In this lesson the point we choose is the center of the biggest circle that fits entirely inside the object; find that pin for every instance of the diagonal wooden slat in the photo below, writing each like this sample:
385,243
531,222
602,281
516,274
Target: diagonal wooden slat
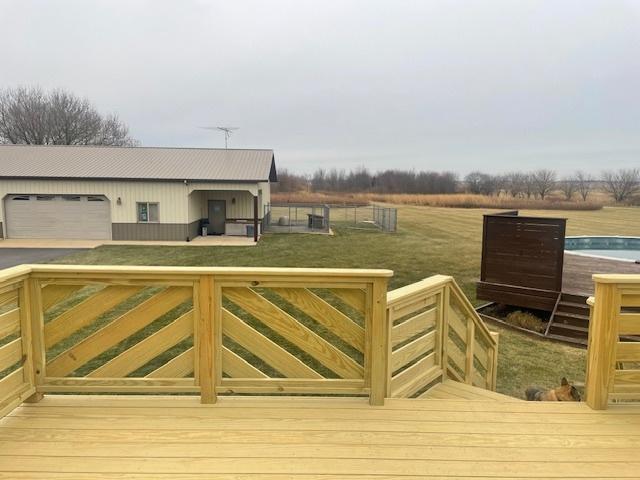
147,349
53,294
86,312
354,297
263,348
8,297
118,330
10,354
237,367
287,326
9,323
178,367
325,314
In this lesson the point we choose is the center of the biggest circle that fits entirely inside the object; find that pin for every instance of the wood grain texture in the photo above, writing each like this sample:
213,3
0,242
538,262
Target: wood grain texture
149,348
85,312
274,355
9,323
287,326
116,331
180,366
53,294
325,314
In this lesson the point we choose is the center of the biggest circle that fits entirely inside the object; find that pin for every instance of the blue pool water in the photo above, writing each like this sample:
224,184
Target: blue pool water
625,248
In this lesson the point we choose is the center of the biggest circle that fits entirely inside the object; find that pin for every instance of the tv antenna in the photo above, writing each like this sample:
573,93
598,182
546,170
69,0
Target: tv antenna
227,133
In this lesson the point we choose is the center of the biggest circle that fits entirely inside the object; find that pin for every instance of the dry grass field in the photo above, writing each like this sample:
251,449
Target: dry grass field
458,200
429,241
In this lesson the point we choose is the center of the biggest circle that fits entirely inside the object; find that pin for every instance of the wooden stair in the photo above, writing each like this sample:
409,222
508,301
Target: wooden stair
570,319
453,390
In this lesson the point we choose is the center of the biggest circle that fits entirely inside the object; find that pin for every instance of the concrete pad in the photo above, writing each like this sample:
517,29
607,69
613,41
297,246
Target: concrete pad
210,241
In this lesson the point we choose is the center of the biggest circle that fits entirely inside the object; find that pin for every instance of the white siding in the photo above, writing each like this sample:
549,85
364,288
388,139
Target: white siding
176,205
172,196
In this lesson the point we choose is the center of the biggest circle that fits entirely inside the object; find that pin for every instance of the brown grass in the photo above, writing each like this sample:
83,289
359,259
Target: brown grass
456,200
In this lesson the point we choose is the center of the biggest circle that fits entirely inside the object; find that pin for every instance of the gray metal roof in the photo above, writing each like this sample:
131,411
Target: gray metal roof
136,163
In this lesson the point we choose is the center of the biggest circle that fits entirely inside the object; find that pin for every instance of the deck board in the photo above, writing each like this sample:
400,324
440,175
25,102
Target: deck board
578,270
137,437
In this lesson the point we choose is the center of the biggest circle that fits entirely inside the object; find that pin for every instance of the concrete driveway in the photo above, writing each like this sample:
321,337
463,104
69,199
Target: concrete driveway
10,257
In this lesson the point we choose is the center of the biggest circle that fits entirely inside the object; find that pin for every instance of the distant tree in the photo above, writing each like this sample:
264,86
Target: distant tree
622,184
29,115
584,184
515,183
543,182
569,187
473,182
529,184
290,182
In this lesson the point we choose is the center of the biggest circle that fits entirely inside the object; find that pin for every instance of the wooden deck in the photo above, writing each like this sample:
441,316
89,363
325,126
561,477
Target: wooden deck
579,270
106,437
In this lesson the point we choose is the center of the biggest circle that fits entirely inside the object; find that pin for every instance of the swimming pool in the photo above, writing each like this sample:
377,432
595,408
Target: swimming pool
619,248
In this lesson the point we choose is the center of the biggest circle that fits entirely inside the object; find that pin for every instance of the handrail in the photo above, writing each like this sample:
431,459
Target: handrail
435,333
612,372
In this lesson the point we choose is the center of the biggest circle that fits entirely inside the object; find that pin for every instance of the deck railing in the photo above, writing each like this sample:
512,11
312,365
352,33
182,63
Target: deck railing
16,361
436,334
613,363
201,330
217,331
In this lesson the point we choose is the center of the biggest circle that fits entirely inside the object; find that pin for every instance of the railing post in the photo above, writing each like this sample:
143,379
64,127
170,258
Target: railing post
492,370
205,314
444,329
33,341
379,349
470,341
601,350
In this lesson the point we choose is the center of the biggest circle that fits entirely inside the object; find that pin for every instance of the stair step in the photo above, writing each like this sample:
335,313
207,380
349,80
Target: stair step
574,316
568,297
568,326
582,306
578,341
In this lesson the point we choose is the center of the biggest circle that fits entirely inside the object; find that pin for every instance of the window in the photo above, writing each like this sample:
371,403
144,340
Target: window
93,198
44,197
71,198
21,198
148,212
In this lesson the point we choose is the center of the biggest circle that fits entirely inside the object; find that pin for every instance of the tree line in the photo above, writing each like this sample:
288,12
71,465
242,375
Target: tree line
33,116
622,185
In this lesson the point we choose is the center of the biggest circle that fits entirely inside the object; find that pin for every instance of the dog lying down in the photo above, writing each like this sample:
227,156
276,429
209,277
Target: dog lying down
564,393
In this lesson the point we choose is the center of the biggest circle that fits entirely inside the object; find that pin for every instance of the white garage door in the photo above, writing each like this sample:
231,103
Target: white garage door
58,216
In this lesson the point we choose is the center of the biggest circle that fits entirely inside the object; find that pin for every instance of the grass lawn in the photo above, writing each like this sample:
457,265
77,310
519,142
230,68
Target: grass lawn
429,241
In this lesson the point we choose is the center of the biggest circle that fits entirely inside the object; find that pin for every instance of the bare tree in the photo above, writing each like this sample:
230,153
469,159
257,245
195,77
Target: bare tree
569,187
529,184
623,184
543,182
584,184
29,115
515,183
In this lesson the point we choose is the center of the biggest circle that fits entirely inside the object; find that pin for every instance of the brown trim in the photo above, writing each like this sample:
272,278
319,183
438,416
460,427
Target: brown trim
150,231
1,231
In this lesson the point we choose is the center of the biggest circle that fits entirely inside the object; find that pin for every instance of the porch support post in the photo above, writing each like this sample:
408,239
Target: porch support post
255,218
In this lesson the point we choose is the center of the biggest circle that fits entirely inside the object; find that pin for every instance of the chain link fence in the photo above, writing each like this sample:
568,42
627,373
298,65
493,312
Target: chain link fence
308,218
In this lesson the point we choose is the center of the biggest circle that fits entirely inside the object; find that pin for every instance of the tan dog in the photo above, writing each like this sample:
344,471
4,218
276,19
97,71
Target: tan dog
564,393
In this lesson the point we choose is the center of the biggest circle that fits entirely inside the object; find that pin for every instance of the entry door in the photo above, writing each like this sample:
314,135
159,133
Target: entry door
217,216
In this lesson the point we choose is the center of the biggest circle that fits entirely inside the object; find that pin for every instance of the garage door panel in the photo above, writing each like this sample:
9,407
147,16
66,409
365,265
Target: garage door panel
58,217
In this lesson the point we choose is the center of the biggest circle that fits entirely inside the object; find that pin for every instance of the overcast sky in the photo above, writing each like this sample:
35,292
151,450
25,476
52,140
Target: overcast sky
456,85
